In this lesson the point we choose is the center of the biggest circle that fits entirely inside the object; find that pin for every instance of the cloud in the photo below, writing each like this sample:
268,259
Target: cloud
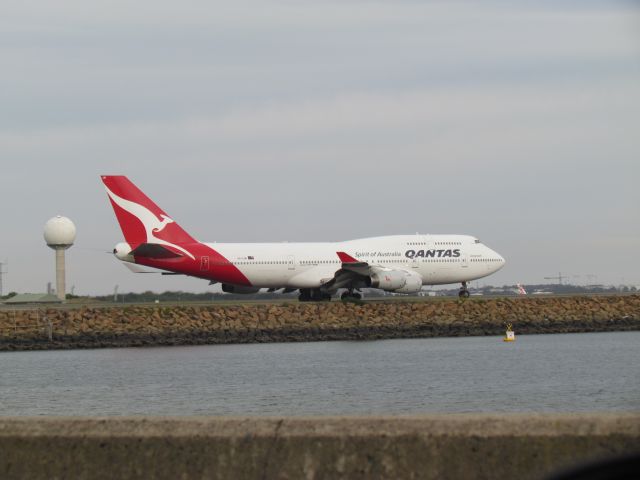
508,117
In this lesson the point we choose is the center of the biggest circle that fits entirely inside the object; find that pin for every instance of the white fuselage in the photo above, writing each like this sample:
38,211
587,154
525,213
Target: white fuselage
438,259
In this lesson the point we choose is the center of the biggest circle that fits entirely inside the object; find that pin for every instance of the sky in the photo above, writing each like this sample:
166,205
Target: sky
258,121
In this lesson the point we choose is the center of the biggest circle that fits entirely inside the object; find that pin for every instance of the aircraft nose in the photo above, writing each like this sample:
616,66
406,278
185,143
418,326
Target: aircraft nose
496,265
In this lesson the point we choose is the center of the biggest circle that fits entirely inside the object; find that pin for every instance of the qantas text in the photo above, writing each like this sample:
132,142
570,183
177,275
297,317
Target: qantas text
432,253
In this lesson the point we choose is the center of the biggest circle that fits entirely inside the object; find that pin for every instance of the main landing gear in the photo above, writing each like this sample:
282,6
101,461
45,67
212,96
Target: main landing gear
463,293
313,295
351,295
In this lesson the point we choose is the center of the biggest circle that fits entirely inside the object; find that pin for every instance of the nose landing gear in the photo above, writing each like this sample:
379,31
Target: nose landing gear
463,293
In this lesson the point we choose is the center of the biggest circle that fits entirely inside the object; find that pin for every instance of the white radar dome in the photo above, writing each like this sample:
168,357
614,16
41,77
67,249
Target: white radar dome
59,232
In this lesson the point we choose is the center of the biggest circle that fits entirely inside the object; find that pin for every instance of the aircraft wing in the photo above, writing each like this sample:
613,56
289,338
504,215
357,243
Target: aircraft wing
353,265
353,271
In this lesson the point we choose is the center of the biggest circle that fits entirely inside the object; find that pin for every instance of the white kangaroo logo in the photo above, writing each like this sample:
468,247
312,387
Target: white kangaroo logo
165,221
150,221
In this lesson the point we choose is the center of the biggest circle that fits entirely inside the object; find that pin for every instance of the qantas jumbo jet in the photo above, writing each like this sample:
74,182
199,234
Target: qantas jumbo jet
396,263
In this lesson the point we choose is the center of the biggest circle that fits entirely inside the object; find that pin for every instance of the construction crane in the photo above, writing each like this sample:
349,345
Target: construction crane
559,278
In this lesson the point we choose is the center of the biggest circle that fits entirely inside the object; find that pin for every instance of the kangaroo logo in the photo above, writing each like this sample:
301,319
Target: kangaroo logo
165,221
152,224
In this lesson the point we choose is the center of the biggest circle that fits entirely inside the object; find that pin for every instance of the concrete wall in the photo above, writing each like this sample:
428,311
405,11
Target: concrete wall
429,447
277,322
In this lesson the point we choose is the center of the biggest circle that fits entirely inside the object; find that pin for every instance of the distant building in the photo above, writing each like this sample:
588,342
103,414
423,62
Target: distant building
30,298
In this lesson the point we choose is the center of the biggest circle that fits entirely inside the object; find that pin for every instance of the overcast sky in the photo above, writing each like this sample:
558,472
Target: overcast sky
517,122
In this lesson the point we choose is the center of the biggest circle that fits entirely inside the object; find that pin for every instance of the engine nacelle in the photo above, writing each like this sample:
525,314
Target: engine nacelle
413,283
388,279
398,281
122,251
229,288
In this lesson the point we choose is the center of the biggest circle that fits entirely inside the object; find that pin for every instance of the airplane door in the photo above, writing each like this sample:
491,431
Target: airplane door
430,267
291,262
465,259
204,264
414,262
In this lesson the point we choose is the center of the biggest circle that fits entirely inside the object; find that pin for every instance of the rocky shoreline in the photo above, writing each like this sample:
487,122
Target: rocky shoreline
155,325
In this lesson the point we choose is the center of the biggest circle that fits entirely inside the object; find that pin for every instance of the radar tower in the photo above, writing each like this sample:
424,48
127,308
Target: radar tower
60,233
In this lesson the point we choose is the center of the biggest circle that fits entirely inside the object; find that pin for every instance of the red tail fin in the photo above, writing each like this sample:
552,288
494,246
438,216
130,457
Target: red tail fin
141,220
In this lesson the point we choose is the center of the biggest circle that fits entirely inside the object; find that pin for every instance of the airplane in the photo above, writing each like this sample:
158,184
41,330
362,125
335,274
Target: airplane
395,263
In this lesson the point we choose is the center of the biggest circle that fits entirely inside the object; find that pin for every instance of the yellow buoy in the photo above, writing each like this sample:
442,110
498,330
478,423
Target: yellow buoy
510,336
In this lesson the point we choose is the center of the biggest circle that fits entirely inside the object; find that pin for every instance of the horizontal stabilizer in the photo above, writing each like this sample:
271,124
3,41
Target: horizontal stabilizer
153,250
137,268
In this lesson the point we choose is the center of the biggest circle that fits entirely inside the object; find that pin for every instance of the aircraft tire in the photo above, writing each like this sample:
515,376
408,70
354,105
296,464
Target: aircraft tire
305,295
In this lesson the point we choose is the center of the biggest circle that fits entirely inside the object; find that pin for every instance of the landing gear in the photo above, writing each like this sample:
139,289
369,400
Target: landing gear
305,295
463,293
313,295
318,295
351,295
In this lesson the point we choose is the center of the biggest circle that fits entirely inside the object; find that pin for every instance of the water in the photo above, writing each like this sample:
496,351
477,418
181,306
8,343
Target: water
537,373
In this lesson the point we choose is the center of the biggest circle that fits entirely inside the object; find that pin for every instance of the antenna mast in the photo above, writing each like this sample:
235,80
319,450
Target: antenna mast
559,278
3,271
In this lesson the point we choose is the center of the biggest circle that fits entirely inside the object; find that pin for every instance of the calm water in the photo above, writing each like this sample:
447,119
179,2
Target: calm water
542,373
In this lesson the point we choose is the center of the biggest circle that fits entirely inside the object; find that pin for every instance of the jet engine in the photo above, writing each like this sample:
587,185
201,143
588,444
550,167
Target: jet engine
230,288
413,283
388,279
122,251
399,281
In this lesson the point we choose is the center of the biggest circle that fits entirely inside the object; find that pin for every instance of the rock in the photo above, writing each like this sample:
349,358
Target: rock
144,325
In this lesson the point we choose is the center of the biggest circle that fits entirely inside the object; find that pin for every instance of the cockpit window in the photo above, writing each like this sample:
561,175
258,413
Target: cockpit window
477,241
